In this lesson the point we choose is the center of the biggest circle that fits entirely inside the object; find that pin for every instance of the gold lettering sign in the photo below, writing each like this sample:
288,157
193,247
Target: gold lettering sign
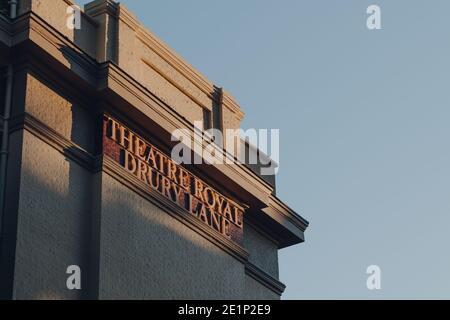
174,182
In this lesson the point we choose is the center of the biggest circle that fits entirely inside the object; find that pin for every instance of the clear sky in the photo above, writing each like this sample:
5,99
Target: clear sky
365,127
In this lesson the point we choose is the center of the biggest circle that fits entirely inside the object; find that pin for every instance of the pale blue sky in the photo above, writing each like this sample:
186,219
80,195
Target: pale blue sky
365,126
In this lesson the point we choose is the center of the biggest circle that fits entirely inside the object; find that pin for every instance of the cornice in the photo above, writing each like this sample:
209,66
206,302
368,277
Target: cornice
96,8
290,214
70,2
264,278
73,151
52,42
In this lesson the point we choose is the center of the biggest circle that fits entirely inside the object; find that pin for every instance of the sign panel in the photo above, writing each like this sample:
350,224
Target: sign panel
160,173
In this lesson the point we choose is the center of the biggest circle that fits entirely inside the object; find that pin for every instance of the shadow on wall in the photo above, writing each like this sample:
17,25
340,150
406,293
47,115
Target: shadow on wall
147,254
53,224
144,252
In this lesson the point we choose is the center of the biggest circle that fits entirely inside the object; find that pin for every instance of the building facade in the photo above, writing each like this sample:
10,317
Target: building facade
87,180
